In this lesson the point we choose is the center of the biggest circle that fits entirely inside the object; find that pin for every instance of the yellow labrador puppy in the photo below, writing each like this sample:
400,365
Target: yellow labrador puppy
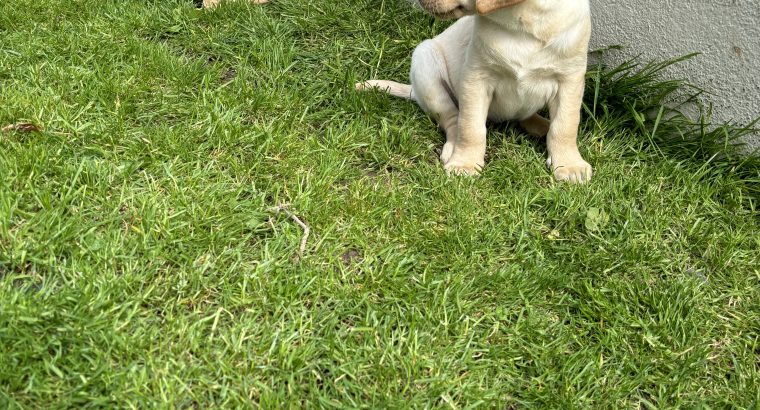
503,60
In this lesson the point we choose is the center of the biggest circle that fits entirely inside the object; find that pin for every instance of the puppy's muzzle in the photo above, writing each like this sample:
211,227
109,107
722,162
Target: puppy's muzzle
448,9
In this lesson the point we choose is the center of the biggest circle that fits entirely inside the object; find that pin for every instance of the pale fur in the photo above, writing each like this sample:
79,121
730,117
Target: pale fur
507,64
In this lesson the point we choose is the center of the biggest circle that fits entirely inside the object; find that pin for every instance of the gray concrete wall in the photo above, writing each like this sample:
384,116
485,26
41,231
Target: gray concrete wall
727,32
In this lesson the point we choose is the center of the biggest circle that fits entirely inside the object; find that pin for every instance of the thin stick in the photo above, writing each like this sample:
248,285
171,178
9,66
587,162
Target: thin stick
306,230
212,3
21,127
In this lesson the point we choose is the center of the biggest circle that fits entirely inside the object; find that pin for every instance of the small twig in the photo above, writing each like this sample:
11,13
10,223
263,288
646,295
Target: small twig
21,127
213,3
306,230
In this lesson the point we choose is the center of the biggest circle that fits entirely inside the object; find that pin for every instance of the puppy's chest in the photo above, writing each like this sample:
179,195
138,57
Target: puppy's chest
522,70
523,74
521,58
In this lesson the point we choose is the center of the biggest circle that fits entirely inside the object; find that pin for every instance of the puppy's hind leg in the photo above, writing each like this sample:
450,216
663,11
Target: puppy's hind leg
434,93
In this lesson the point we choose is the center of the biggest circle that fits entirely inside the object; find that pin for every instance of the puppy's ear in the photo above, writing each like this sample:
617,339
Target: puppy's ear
487,6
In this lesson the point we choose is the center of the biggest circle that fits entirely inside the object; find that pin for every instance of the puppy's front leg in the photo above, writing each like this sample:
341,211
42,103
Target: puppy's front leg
564,159
469,148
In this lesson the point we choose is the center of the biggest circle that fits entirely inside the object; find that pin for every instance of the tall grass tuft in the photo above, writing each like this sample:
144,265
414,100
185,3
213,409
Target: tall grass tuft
671,118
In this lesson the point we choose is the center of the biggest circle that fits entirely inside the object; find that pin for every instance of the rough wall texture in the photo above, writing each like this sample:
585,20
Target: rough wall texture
726,32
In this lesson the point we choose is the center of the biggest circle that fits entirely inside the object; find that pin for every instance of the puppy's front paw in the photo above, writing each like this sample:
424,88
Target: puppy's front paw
462,169
457,166
573,169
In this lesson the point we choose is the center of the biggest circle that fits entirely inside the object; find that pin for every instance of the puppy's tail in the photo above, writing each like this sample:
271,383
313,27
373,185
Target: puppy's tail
391,87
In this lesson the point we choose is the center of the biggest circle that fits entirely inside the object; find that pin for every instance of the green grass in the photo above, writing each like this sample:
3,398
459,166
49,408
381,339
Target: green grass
141,263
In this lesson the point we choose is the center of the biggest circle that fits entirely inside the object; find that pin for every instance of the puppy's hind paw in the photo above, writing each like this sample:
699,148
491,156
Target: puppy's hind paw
536,125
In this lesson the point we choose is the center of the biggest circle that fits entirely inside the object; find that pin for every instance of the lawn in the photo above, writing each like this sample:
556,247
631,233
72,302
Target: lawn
144,262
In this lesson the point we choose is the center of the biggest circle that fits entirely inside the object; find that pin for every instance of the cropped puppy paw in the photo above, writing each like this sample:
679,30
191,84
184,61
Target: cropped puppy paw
574,169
